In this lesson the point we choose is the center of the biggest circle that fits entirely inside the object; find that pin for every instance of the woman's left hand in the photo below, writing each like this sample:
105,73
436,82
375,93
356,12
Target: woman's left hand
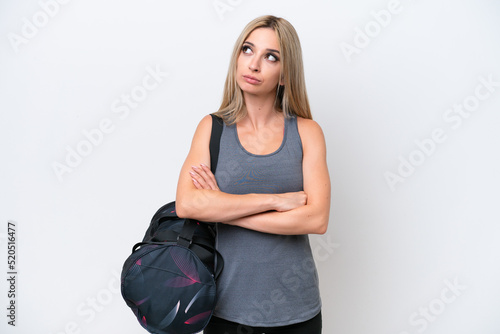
203,178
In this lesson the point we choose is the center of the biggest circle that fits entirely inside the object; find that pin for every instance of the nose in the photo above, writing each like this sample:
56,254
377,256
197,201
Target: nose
254,64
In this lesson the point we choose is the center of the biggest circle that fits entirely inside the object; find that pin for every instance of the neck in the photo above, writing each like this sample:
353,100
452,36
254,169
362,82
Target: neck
260,109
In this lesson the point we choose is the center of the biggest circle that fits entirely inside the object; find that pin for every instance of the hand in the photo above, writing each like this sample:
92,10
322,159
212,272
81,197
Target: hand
290,201
203,178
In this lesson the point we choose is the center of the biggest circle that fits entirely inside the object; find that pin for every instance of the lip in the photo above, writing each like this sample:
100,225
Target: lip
250,79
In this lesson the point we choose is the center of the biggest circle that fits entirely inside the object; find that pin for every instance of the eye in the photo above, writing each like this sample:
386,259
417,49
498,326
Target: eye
271,57
246,49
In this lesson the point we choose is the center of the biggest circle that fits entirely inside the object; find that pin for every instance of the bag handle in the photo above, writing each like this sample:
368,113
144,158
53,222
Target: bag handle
144,243
219,262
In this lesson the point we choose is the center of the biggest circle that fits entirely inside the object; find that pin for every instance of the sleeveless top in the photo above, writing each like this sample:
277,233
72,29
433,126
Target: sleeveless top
268,279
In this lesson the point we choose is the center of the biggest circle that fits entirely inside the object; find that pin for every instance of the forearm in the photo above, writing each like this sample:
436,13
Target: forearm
307,219
202,199
215,206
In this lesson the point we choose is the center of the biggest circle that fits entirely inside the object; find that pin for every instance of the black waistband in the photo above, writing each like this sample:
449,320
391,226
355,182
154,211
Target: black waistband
219,326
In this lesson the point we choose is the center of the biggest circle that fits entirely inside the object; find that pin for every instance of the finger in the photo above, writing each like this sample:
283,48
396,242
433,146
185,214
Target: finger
206,169
208,179
203,173
212,180
207,175
199,179
196,183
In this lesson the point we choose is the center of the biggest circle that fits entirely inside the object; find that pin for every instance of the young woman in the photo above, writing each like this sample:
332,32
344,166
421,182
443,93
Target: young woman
271,188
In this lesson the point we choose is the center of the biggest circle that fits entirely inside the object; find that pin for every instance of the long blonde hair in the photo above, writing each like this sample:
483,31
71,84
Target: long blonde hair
291,97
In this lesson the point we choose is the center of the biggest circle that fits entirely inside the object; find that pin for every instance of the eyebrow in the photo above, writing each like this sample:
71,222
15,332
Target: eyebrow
273,50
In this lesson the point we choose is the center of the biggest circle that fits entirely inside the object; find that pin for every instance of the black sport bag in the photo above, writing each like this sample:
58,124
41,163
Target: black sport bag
169,280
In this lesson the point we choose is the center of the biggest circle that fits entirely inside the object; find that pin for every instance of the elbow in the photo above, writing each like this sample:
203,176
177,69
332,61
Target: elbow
317,222
190,206
321,225
321,229
182,208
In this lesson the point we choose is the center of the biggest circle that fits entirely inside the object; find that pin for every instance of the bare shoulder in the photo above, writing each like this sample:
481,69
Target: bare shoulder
205,123
199,151
309,130
203,129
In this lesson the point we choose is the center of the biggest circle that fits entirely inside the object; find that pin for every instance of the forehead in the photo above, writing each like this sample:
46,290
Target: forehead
264,38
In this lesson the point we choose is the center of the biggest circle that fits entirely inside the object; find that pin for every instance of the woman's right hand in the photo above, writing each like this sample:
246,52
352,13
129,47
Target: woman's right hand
290,201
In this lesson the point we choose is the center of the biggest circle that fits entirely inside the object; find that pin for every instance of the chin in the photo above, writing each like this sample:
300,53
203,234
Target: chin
248,88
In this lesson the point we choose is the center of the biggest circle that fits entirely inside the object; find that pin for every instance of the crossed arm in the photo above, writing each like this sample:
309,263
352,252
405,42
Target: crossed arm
304,212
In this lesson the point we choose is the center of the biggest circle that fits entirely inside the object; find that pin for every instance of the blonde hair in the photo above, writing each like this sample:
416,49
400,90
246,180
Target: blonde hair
291,97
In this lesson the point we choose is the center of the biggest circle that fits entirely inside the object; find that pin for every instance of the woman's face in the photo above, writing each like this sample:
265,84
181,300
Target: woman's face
258,65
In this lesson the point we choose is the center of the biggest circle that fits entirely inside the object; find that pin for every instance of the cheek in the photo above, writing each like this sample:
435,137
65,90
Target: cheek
274,73
240,62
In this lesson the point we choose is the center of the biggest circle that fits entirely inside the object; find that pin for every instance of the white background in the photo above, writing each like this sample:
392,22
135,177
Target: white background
391,251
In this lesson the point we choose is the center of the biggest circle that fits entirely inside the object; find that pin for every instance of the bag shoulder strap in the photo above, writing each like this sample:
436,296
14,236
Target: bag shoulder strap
217,126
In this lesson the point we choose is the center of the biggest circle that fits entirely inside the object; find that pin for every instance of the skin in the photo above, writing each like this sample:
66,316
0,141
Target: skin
260,132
